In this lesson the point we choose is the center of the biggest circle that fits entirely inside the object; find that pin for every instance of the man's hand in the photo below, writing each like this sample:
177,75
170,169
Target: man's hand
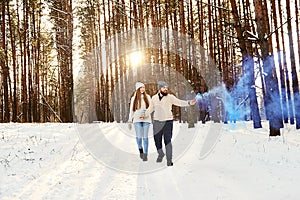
142,117
192,102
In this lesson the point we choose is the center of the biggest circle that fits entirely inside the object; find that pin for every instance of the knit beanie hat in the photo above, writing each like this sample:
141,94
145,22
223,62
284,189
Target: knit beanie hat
138,85
161,84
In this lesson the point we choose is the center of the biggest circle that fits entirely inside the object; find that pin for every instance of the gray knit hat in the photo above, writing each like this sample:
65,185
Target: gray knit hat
161,84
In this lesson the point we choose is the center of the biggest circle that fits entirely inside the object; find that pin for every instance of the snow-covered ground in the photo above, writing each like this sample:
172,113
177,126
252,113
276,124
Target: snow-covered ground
100,161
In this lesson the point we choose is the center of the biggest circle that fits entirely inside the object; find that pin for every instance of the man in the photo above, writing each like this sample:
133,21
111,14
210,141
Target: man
163,119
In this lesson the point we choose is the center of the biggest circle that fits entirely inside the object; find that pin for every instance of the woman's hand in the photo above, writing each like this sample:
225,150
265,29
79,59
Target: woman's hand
142,116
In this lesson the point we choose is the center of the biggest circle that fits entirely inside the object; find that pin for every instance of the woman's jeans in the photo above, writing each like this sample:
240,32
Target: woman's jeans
141,131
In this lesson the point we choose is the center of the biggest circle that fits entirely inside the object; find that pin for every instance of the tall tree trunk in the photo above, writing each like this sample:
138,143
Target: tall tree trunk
24,97
248,64
4,66
13,50
35,61
285,68
297,20
115,63
282,77
70,83
62,13
295,83
273,100
183,63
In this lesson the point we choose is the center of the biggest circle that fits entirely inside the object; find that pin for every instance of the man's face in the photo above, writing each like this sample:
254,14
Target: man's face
164,90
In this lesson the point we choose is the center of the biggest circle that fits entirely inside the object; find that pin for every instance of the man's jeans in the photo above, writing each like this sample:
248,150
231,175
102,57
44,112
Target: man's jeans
163,129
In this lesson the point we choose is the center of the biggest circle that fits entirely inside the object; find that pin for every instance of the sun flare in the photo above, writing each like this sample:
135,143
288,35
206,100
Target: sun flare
136,58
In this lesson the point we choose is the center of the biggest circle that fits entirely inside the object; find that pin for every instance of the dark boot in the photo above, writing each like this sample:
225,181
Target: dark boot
169,163
145,157
141,153
160,155
169,151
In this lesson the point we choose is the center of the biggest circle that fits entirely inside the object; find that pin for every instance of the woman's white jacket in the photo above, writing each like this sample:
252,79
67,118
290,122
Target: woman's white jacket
135,116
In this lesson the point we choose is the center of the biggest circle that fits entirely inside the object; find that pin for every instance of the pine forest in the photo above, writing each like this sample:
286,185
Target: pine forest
79,60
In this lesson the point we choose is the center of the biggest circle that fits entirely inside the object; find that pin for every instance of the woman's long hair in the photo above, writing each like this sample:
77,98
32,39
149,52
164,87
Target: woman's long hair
137,103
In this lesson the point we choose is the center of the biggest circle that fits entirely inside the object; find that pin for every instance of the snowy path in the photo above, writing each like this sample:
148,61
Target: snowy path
50,161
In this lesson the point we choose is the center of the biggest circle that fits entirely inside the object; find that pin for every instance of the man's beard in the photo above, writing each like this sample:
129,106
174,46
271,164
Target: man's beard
164,93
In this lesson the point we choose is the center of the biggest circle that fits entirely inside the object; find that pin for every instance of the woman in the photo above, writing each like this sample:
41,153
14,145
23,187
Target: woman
138,105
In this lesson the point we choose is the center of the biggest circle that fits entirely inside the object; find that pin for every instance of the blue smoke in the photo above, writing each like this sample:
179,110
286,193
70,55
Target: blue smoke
231,106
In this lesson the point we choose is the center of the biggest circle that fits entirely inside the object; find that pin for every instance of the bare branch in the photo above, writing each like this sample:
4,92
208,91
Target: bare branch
217,7
253,36
270,34
51,108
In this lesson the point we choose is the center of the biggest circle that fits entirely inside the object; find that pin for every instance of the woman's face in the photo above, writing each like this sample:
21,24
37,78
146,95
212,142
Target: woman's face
142,89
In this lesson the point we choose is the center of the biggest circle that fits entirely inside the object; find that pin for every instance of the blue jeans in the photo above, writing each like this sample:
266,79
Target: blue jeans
141,131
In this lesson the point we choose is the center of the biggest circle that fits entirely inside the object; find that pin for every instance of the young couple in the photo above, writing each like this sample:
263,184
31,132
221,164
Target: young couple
141,107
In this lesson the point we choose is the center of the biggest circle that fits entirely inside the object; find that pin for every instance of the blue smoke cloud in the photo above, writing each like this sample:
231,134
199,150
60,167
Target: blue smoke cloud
230,106
235,103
